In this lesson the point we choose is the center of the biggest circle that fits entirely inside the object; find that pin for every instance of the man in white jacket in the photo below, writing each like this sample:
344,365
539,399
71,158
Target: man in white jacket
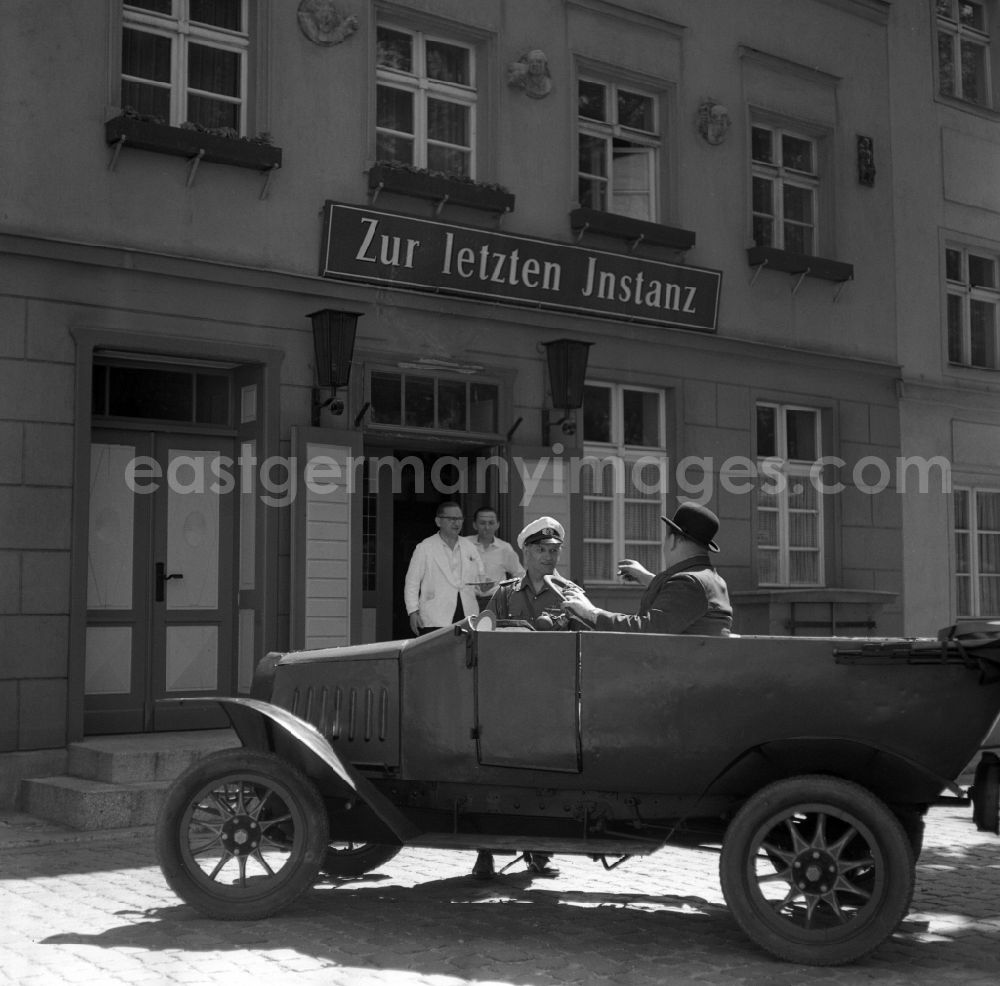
440,585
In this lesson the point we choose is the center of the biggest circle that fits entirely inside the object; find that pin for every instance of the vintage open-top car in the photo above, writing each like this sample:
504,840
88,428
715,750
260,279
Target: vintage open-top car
810,761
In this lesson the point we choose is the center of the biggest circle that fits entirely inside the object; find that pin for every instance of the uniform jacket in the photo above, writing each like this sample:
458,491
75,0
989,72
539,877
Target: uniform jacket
689,597
432,587
515,599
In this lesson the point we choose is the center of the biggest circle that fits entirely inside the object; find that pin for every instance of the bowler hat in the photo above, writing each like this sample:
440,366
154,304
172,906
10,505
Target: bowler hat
696,522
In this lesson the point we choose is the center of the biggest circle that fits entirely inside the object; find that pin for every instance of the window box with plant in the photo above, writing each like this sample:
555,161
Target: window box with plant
403,179
189,140
186,70
786,185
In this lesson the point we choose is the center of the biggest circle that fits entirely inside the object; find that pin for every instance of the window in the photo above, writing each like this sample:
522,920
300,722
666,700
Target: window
789,507
412,400
963,45
186,60
425,102
194,396
977,552
785,190
618,147
622,486
973,292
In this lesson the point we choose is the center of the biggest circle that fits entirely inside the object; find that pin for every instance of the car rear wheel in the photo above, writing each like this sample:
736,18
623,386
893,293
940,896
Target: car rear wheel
347,859
241,834
817,870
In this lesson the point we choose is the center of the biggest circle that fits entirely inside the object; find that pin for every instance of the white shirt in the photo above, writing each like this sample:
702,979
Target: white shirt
499,559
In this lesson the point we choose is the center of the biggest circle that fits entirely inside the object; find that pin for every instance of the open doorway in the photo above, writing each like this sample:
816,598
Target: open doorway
399,514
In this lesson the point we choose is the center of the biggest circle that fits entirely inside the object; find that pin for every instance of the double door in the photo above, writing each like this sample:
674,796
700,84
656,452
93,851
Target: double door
161,596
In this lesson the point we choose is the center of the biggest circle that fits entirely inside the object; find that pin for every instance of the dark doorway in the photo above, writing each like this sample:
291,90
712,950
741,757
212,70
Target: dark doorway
400,514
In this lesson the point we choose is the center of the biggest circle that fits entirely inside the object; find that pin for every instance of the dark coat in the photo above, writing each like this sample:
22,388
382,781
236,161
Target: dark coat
690,597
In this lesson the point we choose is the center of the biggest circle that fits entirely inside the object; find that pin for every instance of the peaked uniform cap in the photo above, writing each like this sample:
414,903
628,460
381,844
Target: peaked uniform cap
696,522
545,530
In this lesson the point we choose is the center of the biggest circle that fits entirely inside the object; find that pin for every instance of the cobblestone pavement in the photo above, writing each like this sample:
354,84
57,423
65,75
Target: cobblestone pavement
96,910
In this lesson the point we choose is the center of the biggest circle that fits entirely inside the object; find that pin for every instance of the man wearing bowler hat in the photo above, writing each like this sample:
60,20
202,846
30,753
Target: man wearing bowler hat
688,597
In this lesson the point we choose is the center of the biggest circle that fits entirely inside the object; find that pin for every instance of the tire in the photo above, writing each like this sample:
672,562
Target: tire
913,825
241,835
347,859
816,870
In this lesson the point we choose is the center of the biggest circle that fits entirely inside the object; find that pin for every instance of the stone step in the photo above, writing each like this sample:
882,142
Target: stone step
87,805
118,781
142,757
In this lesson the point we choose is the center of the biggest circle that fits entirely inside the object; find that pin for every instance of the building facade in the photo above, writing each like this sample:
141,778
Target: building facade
470,203
947,152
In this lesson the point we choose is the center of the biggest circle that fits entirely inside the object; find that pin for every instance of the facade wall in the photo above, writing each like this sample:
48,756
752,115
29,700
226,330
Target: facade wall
143,259
946,151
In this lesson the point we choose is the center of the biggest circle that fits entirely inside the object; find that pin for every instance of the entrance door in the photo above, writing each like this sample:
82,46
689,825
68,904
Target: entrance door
401,514
160,581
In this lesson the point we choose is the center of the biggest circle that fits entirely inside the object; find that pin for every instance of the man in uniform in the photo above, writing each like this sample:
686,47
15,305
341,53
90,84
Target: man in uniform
688,597
528,598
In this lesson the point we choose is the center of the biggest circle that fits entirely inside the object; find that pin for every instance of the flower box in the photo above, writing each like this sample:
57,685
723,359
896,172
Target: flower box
189,143
799,264
635,231
440,188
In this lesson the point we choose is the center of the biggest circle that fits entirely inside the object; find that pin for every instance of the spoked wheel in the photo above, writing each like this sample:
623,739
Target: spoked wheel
241,834
817,870
356,858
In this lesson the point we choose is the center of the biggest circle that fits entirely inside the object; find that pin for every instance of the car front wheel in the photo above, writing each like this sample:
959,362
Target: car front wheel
241,834
817,870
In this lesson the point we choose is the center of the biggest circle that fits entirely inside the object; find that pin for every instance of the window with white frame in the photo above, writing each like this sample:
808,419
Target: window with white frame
618,146
964,51
622,478
425,101
977,552
186,61
785,189
973,293
789,505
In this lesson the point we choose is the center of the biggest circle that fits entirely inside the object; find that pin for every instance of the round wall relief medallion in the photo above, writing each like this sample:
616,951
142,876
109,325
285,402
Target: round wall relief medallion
320,22
713,121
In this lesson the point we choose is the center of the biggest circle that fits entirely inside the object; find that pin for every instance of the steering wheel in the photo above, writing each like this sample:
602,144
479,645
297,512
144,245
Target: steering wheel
559,585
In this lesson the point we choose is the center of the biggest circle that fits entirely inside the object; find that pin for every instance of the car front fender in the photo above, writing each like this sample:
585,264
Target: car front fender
270,728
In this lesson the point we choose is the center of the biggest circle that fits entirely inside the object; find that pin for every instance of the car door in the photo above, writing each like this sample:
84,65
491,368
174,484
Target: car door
527,687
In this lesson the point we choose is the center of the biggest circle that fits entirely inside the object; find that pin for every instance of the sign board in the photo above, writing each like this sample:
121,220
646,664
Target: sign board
393,250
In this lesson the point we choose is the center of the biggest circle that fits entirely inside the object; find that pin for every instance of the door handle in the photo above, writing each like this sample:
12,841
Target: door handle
162,578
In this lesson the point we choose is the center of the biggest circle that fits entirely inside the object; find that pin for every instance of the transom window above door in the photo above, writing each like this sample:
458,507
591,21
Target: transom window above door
618,146
415,400
186,61
425,101
193,395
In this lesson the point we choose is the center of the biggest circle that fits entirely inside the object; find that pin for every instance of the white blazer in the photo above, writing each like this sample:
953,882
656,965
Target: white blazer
432,589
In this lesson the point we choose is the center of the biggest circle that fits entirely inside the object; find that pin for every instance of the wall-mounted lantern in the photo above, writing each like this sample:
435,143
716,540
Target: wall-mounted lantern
567,359
333,341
